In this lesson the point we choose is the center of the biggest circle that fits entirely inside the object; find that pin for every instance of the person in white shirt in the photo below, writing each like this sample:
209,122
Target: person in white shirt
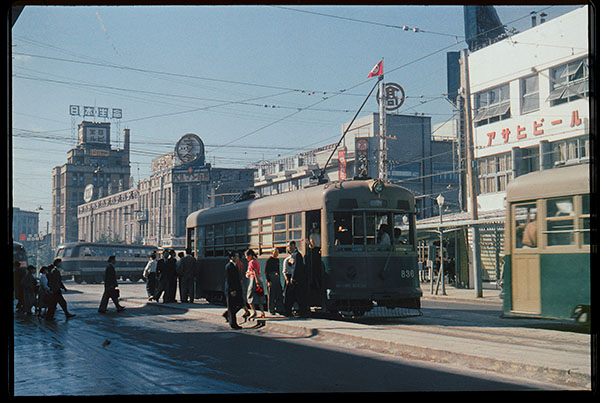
150,275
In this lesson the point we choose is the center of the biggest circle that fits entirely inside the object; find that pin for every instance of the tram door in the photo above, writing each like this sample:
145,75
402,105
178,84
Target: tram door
525,267
312,259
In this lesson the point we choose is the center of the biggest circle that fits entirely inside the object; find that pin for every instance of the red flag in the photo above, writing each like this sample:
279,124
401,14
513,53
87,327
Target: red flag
377,70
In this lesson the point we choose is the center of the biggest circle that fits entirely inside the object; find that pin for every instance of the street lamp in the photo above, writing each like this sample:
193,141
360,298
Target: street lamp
440,202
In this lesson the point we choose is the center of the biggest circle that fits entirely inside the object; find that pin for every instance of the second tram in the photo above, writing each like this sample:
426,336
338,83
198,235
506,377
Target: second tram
86,261
364,260
547,245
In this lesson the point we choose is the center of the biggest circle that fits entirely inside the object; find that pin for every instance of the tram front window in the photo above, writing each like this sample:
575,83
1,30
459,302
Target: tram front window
382,230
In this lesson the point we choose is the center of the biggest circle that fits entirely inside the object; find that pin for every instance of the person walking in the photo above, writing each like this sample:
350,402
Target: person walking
275,293
233,290
256,295
149,275
186,271
56,288
29,284
161,276
111,287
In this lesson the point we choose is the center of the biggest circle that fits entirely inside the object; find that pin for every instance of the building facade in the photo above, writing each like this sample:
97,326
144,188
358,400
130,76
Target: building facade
530,102
24,224
423,163
92,162
154,212
530,111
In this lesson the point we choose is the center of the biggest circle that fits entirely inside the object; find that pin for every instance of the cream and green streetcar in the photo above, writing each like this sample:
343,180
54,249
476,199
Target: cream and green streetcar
547,245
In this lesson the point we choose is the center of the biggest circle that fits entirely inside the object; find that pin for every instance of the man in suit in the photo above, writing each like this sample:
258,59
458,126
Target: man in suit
56,287
111,287
296,284
233,289
161,276
186,271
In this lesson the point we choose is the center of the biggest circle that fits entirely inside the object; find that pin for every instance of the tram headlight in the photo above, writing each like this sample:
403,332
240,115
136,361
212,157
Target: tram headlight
377,186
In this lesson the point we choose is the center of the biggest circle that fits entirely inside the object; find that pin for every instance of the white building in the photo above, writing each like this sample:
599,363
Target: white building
530,102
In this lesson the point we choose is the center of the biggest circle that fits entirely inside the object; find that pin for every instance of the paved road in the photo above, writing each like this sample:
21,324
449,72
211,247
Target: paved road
156,349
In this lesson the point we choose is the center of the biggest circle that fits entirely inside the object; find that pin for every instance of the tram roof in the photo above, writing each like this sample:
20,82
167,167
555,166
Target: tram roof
568,180
309,198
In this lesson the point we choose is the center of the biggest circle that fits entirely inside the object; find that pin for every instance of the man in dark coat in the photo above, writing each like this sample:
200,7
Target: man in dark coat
296,284
233,289
171,277
56,287
186,271
162,278
111,289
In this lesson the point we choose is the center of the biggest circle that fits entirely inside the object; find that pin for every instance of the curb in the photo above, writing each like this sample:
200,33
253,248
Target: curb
567,378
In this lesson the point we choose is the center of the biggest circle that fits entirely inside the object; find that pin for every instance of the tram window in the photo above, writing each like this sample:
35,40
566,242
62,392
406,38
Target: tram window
230,233
584,223
219,234
279,223
241,232
266,224
403,237
342,223
295,220
560,225
525,225
295,235
210,236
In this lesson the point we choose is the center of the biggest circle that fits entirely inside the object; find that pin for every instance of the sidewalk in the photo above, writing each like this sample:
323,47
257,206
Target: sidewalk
483,349
490,293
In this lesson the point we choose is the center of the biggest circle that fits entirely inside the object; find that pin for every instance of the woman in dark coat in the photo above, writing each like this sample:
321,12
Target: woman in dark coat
111,289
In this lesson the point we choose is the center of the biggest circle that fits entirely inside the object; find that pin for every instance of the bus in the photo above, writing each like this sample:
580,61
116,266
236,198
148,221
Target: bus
547,245
86,261
365,260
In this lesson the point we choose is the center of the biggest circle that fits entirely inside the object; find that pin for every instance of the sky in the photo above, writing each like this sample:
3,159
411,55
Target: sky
255,83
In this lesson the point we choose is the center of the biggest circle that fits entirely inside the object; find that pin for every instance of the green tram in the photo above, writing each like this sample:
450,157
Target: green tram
547,245
364,260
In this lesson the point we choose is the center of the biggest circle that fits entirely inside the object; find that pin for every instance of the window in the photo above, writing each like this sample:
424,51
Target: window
560,224
569,82
377,231
492,105
573,150
525,222
584,219
495,172
530,100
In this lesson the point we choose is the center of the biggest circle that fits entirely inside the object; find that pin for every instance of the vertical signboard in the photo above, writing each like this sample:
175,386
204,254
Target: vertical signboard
362,157
342,164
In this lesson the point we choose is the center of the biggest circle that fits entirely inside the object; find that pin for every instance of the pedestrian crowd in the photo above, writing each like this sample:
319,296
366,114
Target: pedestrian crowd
40,294
247,287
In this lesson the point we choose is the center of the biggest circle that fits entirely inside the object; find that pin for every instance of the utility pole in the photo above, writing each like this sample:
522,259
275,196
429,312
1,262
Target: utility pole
382,140
471,173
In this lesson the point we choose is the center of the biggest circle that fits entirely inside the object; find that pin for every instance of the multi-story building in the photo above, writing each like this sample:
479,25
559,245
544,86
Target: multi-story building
155,211
24,224
416,160
91,162
529,98
530,101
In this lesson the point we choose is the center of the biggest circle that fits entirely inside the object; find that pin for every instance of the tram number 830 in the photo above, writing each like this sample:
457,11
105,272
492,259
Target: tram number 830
407,273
